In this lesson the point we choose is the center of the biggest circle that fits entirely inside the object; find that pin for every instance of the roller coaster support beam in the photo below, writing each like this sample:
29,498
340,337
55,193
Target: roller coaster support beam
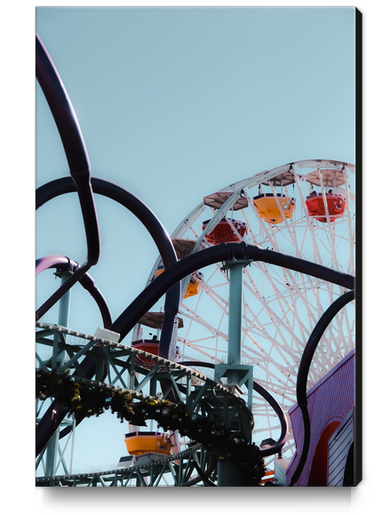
229,473
235,268
57,362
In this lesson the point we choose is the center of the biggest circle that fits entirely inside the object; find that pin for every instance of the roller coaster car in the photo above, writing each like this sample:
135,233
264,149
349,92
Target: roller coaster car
316,207
224,233
268,208
139,443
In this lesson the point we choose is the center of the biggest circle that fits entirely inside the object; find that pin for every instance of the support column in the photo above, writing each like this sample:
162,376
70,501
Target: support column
235,318
229,473
58,360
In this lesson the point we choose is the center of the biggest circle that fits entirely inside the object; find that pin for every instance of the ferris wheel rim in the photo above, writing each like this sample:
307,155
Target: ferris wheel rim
237,187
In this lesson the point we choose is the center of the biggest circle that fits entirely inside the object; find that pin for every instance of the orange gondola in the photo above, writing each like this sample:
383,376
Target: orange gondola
138,443
194,284
271,208
193,287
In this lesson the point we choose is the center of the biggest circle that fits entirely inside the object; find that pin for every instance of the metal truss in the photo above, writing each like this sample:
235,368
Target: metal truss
116,365
197,392
186,468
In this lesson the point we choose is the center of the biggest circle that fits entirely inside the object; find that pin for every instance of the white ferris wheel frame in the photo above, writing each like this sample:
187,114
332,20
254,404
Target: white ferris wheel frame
274,348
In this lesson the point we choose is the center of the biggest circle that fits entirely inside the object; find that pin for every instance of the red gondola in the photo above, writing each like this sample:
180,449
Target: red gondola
151,346
316,206
224,233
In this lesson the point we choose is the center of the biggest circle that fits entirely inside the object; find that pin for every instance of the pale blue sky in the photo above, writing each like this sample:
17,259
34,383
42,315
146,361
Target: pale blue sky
174,104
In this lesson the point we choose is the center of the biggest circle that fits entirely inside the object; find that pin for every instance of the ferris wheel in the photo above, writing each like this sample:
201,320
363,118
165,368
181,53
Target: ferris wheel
305,209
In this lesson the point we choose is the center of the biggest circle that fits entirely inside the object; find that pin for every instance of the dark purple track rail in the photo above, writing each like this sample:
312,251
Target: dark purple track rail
79,164
302,376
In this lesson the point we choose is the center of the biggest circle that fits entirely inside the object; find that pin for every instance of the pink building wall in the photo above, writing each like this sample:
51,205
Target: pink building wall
329,403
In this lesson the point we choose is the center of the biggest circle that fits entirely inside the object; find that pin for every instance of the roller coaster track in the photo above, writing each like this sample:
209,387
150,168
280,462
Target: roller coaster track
182,385
180,468
119,357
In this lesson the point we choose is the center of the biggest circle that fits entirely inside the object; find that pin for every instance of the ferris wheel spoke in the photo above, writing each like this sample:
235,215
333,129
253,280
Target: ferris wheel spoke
291,238
262,225
350,327
250,355
199,351
280,321
294,285
306,231
196,318
309,227
252,238
216,298
351,238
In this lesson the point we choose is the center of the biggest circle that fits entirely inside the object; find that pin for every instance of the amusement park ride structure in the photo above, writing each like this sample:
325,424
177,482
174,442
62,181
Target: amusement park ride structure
248,322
